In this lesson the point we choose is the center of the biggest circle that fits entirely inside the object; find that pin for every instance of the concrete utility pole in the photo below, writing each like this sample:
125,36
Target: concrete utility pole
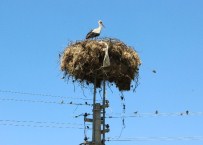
94,110
104,110
98,120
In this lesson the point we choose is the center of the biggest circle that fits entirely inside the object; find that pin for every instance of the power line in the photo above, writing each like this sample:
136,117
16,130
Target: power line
185,138
156,114
38,126
45,102
40,94
40,122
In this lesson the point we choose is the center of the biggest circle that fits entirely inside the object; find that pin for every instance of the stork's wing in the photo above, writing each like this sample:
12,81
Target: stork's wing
88,34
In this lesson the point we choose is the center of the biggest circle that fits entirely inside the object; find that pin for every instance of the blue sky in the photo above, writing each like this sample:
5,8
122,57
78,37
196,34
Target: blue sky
168,35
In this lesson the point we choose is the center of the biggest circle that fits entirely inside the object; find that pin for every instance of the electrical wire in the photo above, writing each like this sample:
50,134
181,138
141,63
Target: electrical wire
123,113
40,122
45,102
185,138
38,126
156,114
40,94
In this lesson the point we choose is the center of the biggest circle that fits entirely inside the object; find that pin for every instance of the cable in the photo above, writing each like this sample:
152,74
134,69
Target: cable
187,138
157,114
45,102
40,126
123,113
24,123
39,94
40,122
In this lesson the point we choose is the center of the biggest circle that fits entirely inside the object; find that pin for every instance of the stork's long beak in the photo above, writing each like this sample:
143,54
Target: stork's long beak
103,25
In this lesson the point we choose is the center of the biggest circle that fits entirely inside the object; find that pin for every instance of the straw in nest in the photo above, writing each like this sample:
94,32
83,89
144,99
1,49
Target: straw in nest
84,61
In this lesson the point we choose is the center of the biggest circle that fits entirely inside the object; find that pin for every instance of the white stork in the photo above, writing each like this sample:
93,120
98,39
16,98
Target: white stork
95,32
106,61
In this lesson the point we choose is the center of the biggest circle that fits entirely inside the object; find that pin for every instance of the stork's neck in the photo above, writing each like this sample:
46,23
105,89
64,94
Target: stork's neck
100,27
97,30
106,52
106,49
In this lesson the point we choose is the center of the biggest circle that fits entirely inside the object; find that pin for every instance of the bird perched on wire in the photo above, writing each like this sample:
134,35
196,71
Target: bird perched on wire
107,126
95,32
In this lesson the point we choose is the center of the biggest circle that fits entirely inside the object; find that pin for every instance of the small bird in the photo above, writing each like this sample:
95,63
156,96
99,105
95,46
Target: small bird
156,112
95,32
85,139
107,126
122,97
187,112
154,71
136,112
124,106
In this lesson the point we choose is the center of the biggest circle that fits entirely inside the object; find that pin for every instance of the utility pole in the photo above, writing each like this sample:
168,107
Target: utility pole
94,110
104,110
98,119
97,132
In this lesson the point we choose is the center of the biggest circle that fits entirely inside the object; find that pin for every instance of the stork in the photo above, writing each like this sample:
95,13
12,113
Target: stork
95,32
106,61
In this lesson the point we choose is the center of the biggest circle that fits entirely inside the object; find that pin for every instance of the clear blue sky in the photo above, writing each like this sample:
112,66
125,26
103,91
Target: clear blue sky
168,35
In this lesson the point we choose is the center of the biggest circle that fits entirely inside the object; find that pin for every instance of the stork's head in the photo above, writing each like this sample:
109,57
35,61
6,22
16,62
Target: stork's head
101,23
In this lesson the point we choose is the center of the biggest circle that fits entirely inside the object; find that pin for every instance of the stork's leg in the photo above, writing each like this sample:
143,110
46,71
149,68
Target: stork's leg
96,37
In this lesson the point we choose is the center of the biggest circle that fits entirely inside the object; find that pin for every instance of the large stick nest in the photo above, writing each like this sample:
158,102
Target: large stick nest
84,61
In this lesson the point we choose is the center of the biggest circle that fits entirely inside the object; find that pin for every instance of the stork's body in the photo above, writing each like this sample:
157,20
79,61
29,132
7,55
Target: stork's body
95,32
106,61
